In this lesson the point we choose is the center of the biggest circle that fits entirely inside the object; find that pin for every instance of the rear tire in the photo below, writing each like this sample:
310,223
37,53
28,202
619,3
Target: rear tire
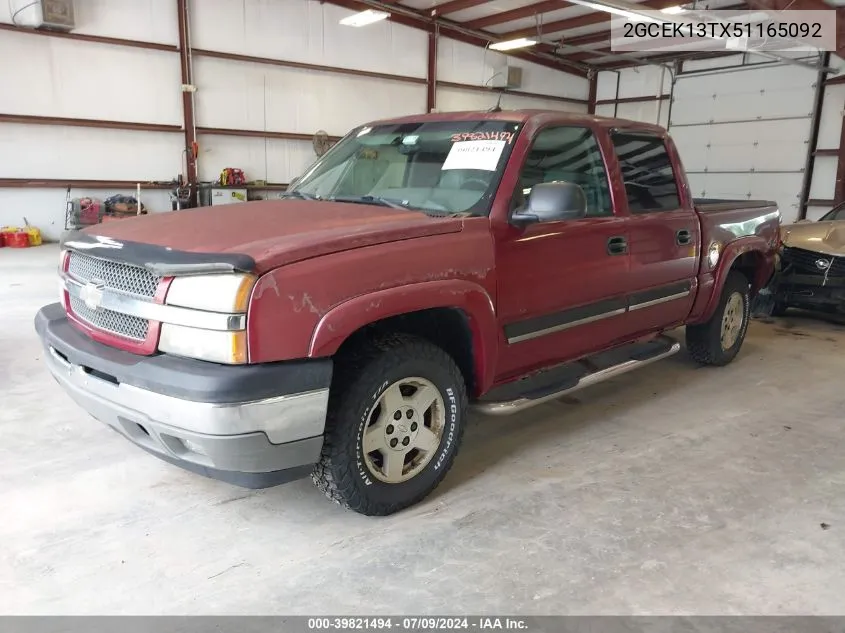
405,400
718,341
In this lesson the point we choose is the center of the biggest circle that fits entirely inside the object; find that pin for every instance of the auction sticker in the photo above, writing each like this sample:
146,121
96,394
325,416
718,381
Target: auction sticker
474,155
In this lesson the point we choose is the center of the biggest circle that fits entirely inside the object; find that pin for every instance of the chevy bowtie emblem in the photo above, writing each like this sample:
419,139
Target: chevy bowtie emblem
822,264
92,294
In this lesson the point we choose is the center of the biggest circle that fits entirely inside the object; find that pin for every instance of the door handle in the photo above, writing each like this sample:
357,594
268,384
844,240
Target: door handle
683,237
617,245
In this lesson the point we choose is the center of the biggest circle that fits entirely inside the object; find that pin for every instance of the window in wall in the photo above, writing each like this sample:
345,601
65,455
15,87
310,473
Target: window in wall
647,172
569,154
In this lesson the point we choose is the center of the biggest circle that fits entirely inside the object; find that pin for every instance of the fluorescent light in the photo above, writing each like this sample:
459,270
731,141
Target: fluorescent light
364,18
632,16
673,10
509,45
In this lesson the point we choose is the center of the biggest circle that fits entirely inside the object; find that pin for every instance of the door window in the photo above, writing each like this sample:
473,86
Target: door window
650,183
566,154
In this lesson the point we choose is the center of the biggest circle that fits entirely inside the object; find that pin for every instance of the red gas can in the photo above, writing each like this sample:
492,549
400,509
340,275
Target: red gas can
18,239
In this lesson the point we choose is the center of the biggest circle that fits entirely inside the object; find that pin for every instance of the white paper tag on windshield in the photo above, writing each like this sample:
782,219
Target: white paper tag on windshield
474,155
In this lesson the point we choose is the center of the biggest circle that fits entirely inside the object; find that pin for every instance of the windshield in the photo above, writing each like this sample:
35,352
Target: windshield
836,213
438,167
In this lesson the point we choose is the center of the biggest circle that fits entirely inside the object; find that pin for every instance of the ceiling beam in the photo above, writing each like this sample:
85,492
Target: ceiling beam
453,6
455,30
518,14
655,59
806,5
589,19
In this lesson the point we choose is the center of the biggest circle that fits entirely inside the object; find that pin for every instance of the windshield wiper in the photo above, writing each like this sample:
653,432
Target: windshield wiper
298,194
375,200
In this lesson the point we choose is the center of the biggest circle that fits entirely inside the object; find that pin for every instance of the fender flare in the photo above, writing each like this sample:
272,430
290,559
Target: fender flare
471,299
733,251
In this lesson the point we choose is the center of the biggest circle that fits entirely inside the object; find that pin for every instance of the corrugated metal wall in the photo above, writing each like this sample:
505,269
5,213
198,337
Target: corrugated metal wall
55,77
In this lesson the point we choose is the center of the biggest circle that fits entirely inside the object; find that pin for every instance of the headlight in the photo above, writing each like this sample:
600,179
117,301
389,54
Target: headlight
215,293
221,293
215,346
713,254
63,255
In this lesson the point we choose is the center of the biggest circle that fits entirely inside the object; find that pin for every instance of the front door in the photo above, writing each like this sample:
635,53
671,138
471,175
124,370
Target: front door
561,284
663,231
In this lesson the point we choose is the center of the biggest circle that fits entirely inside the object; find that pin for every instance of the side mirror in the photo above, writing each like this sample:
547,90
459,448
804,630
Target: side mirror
552,202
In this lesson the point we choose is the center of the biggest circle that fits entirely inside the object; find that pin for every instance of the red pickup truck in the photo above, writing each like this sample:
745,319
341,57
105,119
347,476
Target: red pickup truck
423,266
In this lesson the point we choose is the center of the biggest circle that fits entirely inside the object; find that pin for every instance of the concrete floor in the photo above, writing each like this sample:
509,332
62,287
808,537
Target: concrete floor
671,490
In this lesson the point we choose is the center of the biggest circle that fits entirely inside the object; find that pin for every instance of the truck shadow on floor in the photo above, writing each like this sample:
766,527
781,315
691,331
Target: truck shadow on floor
490,440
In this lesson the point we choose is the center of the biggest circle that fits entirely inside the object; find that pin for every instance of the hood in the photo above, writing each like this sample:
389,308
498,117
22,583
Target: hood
827,238
276,232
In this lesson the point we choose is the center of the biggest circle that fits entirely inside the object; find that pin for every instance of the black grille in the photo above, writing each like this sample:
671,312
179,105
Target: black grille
805,262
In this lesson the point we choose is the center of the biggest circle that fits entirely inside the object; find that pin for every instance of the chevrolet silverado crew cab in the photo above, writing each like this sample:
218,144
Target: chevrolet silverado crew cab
423,266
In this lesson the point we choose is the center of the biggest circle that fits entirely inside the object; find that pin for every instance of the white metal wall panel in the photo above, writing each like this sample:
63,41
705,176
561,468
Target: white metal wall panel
252,96
647,81
462,63
76,153
67,78
142,20
830,124
272,160
815,213
745,134
606,86
306,31
647,112
457,99
824,178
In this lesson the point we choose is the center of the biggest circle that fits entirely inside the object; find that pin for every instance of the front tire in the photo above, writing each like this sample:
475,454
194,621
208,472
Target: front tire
718,341
396,418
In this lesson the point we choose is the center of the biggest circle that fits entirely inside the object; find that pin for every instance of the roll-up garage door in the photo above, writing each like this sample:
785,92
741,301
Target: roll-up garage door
745,134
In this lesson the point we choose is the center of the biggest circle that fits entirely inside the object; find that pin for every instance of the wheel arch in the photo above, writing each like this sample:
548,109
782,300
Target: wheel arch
456,315
748,256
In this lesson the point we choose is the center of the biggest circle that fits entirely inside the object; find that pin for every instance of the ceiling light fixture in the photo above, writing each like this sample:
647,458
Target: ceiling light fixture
364,18
673,10
509,45
633,14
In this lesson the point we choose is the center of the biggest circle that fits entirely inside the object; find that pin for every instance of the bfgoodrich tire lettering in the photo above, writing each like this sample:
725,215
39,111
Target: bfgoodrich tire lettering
705,342
352,477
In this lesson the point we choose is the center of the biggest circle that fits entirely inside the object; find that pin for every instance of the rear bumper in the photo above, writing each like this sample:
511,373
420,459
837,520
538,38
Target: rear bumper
254,426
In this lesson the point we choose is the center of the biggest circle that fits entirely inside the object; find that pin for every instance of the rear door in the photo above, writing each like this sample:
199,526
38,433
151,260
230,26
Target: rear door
562,284
663,230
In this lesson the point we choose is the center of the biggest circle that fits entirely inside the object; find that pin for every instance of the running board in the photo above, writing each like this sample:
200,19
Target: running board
574,376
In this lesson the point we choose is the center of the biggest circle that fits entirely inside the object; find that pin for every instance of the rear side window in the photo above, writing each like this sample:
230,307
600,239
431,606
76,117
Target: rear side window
650,183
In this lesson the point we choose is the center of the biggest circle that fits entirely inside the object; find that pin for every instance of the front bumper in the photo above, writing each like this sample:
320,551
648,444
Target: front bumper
810,291
250,425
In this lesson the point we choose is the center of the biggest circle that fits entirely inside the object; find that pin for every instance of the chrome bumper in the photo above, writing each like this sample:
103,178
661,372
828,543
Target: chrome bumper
255,443
229,437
